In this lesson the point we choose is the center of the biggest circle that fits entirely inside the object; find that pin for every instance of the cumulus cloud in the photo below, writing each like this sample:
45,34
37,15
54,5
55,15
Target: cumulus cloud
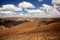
50,9
56,4
56,1
46,11
36,11
9,10
25,4
10,7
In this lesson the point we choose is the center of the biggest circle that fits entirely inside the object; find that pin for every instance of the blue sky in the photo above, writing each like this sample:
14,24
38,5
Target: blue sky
30,8
34,2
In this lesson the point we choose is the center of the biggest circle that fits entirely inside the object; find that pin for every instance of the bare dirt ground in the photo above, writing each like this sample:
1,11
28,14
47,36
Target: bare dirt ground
31,31
33,36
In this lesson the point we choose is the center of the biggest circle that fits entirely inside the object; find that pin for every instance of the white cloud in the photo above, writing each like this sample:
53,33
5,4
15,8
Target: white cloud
56,1
40,0
56,4
10,7
50,9
46,12
9,10
26,5
34,11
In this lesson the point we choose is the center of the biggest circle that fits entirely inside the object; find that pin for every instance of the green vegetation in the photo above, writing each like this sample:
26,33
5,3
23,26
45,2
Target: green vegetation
41,24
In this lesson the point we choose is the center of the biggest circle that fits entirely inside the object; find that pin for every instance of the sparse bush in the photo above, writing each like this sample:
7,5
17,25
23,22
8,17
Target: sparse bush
41,24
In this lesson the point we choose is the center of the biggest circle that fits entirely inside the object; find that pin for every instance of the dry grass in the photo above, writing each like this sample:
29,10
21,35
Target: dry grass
31,31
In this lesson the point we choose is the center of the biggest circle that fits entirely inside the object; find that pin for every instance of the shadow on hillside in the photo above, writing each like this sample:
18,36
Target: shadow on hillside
9,23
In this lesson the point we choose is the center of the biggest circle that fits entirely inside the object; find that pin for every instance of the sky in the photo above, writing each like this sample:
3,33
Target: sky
36,3
30,8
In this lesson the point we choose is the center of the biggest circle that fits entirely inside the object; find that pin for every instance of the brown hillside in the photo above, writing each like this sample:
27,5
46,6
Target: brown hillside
39,29
30,26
